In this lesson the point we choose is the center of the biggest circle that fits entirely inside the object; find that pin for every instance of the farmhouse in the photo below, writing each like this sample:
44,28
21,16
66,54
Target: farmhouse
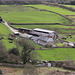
43,37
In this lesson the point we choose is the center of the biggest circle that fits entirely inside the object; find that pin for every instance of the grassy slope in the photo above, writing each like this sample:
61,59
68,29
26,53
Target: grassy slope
22,14
5,31
55,9
51,27
56,54
43,26
73,6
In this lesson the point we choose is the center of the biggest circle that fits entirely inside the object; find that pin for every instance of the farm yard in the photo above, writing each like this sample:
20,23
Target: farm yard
27,14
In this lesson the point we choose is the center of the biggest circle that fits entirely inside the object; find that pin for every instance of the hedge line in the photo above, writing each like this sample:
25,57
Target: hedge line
36,24
54,64
69,67
12,65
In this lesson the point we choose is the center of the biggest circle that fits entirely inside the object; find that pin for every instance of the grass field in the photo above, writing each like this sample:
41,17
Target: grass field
29,15
73,6
54,9
22,14
56,54
4,31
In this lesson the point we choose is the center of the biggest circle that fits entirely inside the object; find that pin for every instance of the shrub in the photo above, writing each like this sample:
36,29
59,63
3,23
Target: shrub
14,51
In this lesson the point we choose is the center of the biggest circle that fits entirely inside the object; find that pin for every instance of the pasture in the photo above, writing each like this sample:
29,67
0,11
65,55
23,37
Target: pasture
23,14
56,54
4,31
30,15
73,6
54,9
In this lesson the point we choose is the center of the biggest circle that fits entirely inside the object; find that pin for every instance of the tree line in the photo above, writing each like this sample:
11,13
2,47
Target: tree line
36,1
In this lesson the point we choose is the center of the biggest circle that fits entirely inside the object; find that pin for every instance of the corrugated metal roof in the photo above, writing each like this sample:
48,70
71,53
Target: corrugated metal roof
42,43
43,38
50,40
34,38
44,30
25,35
39,33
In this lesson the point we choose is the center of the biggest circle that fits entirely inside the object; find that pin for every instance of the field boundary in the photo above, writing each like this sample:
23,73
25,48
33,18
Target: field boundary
36,24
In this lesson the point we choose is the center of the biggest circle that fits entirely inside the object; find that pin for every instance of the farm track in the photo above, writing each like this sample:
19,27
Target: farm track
12,29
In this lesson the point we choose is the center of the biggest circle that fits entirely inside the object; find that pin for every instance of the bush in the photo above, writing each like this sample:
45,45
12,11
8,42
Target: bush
14,51
3,53
13,59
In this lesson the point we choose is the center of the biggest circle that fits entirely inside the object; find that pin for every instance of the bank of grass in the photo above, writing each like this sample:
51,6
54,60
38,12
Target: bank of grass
4,31
56,54
73,6
54,9
58,28
43,26
22,14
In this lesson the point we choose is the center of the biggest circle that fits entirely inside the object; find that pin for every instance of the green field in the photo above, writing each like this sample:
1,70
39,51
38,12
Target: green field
54,9
73,6
4,31
22,14
56,54
43,26
30,15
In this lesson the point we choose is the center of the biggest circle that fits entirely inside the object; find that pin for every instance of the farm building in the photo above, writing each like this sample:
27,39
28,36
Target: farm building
43,37
1,20
40,36
23,30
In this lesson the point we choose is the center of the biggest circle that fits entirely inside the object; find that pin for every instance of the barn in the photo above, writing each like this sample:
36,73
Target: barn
43,36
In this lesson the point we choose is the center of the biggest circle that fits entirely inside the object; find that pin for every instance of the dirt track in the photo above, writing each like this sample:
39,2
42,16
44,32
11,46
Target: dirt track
6,24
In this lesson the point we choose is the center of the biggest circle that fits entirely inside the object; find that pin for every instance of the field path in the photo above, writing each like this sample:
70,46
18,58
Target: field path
6,24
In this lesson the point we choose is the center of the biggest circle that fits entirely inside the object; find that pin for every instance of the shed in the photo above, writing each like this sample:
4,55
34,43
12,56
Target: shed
24,30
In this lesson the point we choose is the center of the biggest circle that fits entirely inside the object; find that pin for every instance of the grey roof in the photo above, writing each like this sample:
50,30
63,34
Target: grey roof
34,38
25,35
42,43
50,40
39,33
43,38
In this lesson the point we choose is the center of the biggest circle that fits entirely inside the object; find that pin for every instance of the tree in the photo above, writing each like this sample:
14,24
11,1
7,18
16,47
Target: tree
3,53
14,51
27,48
